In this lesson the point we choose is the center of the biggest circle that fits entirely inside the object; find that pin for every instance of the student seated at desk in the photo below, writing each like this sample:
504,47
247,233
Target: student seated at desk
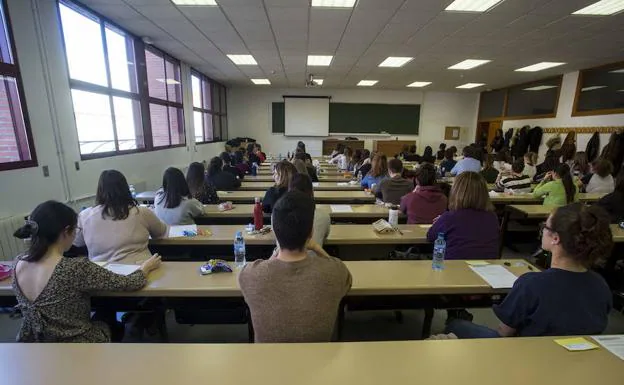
412,156
117,227
294,297
427,201
259,153
567,299
174,203
356,161
448,162
365,168
601,181
342,160
54,292
390,190
530,160
557,187
227,166
503,161
470,226
378,172
441,151
337,151
516,181
241,162
427,156
489,173
283,173
614,203
322,220
310,169
200,188
222,180
470,161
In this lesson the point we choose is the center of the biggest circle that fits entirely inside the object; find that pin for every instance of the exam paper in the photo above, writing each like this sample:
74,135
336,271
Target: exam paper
614,344
341,209
178,231
495,275
118,268
315,184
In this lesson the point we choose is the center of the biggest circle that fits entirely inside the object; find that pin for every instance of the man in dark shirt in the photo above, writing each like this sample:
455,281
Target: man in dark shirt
222,180
227,166
391,190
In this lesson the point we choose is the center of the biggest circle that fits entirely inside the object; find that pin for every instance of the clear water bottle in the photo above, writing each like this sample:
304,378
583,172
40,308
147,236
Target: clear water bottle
239,250
439,251
133,191
359,176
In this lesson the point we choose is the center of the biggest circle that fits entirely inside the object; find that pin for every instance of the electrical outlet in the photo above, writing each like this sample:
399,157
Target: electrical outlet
46,171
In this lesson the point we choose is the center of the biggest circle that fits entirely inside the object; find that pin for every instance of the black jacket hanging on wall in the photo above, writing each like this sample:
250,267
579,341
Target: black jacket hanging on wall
593,146
522,144
614,151
508,136
535,139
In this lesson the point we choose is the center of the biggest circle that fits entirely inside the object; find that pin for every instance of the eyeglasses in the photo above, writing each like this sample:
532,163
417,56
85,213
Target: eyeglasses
544,226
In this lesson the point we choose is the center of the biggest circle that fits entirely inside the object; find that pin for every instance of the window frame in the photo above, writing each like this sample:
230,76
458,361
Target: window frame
579,85
214,114
144,129
13,70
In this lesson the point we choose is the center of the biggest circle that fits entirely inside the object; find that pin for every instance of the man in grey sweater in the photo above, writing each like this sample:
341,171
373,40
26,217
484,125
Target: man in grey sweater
294,297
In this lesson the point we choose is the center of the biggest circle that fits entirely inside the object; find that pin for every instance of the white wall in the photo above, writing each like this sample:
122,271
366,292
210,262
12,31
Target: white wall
249,114
46,86
564,118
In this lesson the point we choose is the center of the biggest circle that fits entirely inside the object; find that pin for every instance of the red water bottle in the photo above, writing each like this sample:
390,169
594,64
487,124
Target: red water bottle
258,215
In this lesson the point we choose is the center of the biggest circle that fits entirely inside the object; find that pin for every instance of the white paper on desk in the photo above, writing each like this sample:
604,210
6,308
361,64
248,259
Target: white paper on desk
118,268
613,343
495,275
315,184
342,184
223,192
178,231
341,209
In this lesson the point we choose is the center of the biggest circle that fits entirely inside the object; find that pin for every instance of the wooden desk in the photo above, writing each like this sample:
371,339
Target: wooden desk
322,178
338,235
319,196
319,186
329,145
326,172
502,198
512,361
391,147
246,211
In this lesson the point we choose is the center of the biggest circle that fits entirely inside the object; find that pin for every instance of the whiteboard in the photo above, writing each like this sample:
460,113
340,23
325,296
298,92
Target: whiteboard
306,116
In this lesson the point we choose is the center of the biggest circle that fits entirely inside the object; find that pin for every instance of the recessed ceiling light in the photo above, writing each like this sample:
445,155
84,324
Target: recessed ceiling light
261,81
617,71
395,61
591,88
333,3
539,66
539,88
602,8
194,2
468,64
318,81
419,84
319,60
470,85
367,83
472,5
243,60
168,81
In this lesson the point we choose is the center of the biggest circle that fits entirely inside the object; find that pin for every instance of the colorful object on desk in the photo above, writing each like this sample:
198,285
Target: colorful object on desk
577,344
200,232
5,271
262,231
215,266
226,206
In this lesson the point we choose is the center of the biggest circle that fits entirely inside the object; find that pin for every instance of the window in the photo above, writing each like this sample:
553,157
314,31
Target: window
165,99
600,91
16,144
536,99
209,109
492,104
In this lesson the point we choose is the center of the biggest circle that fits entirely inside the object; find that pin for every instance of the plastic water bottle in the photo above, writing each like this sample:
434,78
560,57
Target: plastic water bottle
359,176
439,251
254,169
133,191
239,250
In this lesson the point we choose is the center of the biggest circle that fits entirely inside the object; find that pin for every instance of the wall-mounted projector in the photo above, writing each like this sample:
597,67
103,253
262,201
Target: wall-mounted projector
310,82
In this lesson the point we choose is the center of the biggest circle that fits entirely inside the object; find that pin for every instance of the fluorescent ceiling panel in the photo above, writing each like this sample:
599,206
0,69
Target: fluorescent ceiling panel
261,82
602,8
617,71
470,85
243,60
539,88
468,64
395,61
318,81
319,60
540,66
472,5
591,88
367,83
333,3
419,84
194,2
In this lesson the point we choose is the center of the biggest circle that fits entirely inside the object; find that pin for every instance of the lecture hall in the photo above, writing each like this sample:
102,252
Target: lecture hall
328,191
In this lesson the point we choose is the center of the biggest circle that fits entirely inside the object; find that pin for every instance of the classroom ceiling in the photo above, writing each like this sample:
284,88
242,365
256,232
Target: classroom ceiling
281,33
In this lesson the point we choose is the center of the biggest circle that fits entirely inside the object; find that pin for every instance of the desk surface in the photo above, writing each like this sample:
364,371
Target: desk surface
327,172
322,178
370,278
512,361
246,211
319,186
500,198
319,196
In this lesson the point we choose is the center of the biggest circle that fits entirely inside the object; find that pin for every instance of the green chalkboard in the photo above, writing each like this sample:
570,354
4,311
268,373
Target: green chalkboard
362,118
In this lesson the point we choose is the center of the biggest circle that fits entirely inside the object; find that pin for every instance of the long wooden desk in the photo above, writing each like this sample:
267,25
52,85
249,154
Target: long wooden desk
322,178
318,186
246,211
512,361
502,198
319,196
326,172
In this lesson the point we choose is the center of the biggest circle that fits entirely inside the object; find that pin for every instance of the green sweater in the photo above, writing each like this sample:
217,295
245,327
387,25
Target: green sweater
553,193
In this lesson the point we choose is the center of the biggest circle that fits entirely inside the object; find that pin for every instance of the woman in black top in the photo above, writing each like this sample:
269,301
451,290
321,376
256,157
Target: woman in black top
227,166
614,203
428,156
441,151
220,179
307,159
283,173
200,188
366,166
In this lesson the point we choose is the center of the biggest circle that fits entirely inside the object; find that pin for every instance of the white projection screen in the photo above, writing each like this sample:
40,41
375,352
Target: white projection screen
306,116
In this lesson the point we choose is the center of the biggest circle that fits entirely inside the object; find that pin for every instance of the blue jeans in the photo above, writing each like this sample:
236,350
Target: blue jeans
466,329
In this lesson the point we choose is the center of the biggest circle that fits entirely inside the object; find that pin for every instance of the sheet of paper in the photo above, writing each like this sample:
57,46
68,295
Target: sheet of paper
342,184
425,226
315,184
223,192
614,344
341,209
118,268
576,344
495,275
477,263
178,231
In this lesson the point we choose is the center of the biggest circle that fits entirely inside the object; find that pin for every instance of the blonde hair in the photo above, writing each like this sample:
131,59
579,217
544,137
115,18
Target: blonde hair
285,171
532,158
379,165
470,191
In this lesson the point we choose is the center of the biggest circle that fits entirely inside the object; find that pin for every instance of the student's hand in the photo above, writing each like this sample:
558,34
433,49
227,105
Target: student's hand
151,264
435,219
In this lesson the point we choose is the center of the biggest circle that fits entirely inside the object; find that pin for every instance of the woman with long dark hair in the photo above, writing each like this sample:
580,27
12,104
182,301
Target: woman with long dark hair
428,156
200,188
557,188
117,227
220,179
174,203
54,292
282,175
